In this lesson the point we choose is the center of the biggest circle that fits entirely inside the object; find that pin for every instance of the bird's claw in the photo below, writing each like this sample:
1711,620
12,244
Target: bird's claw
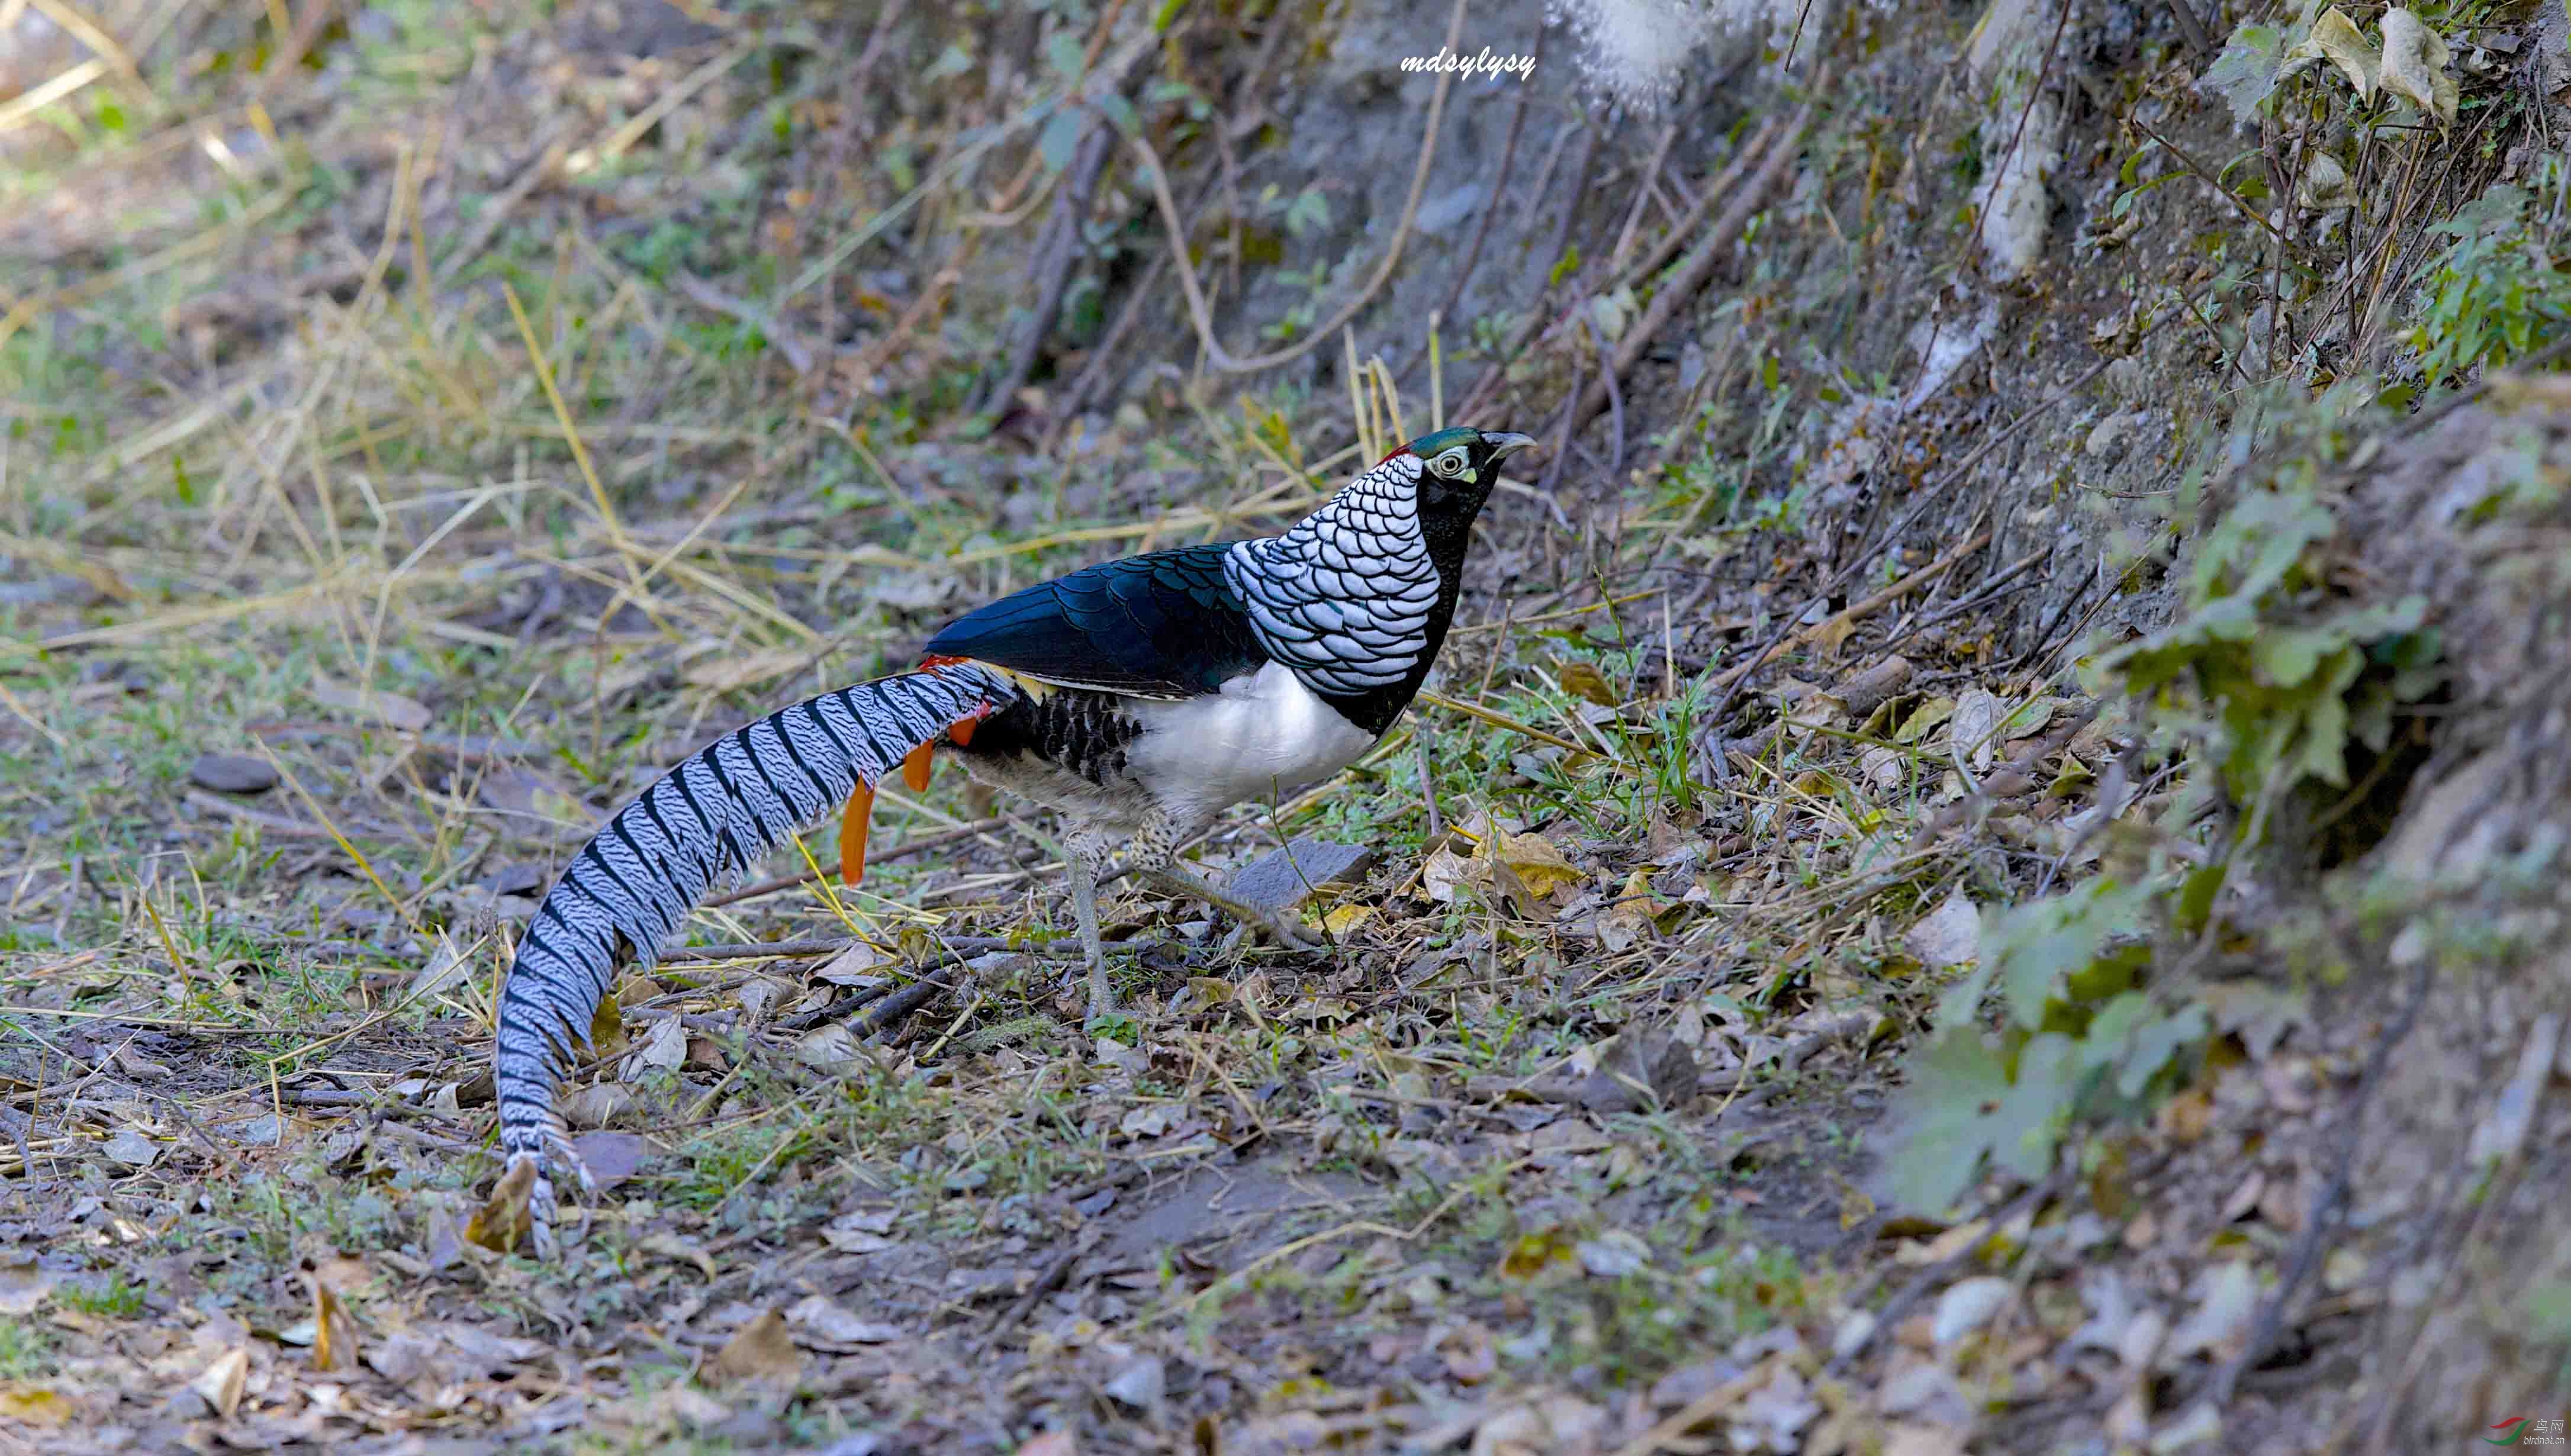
1289,937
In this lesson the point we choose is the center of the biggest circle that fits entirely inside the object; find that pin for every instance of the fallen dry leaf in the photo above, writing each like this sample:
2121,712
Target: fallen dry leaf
599,1105
2336,39
1974,731
671,1246
220,1382
2415,65
1629,919
335,1337
1580,679
612,1158
665,1044
23,1286
35,1405
503,1219
760,1350
825,1323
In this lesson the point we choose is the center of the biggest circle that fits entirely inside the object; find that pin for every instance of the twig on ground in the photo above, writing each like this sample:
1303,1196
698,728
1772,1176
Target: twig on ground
1615,403
899,1004
1791,634
1046,1282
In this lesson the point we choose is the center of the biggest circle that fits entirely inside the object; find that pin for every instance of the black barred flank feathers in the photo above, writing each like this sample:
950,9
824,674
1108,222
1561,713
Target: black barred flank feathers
713,816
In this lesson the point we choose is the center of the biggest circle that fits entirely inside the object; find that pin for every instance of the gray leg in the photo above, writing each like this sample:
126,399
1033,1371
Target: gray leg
1083,857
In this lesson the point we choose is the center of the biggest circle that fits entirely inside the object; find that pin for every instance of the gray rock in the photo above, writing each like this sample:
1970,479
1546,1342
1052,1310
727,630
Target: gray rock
1283,878
232,773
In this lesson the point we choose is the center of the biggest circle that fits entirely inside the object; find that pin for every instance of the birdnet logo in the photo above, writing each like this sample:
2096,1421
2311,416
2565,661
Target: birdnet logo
1469,67
2517,1430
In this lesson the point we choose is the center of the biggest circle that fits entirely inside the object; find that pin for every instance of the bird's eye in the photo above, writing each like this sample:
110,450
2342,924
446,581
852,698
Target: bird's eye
1450,464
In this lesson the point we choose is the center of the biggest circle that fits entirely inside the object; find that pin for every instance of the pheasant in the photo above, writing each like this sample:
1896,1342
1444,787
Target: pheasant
1139,698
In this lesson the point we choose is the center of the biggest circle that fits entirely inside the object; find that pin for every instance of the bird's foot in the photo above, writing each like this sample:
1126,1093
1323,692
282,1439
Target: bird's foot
1280,928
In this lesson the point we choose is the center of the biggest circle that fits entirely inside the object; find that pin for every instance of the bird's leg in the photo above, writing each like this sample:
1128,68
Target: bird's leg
1081,854
1149,859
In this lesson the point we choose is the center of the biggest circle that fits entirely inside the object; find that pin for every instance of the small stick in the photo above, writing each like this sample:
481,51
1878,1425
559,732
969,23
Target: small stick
899,1004
1427,779
1615,400
1046,1282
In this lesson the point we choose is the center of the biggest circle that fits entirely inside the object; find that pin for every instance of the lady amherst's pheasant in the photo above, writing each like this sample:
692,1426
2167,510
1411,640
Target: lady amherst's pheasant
1139,698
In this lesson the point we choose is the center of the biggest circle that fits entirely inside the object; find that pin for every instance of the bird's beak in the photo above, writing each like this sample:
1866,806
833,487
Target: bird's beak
1504,445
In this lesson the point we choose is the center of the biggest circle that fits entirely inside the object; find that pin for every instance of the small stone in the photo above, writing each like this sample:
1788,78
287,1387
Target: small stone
232,773
1968,1307
1949,936
1139,1384
258,1132
1852,1334
133,1149
1283,878
1640,1068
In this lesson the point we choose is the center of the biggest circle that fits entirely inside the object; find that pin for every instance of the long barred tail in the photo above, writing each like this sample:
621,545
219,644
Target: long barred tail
710,817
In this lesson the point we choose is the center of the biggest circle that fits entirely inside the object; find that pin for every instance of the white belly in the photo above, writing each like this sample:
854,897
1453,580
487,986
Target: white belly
1262,735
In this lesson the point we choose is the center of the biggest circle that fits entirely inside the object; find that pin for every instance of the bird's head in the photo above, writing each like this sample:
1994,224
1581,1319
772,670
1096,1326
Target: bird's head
1458,467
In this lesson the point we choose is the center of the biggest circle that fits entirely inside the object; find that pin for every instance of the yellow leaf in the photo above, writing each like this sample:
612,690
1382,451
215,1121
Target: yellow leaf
335,1333
1344,918
607,1026
1924,720
2335,39
503,1220
1580,679
1535,860
1533,1254
37,1407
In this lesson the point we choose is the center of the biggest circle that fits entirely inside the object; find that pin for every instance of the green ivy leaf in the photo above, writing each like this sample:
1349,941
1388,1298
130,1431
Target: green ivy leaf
1953,1079
2284,656
2246,74
1059,139
1065,56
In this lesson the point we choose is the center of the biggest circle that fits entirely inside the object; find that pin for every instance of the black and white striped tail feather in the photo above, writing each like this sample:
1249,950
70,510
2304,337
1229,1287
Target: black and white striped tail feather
713,815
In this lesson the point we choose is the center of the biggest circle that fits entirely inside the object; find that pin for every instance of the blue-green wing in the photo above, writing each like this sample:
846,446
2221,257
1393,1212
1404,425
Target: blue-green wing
1164,624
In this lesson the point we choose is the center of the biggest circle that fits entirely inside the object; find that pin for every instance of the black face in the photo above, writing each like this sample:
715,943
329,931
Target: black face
1459,469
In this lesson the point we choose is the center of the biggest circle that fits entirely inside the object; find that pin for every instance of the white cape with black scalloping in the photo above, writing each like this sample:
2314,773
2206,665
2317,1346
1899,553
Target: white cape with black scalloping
1343,598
